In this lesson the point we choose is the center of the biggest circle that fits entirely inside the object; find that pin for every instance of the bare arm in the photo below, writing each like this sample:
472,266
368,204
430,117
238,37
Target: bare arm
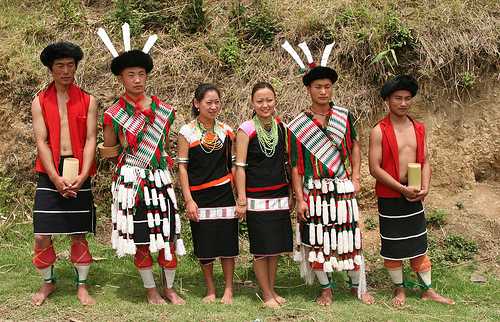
375,165
356,166
44,152
191,206
242,140
297,186
90,145
426,175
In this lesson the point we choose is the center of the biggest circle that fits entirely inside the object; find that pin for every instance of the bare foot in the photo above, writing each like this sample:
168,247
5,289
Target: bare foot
172,296
154,297
210,298
325,297
366,298
271,304
279,299
430,294
83,295
227,298
399,298
44,292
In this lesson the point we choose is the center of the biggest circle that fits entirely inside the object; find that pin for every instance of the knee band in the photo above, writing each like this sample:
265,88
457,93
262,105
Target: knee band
44,257
80,253
164,263
142,257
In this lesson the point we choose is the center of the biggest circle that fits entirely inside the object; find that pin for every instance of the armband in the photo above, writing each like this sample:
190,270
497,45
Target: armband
108,152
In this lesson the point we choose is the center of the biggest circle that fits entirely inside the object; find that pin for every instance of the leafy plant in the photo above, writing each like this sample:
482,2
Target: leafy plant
467,80
399,35
126,12
194,17
370,223
436,218
459,249
68,13
254,24
229,53
387,56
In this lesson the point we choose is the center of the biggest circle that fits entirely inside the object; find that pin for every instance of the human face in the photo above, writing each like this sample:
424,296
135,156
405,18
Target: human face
209,105
63,71
264,103
134,80
321,91
399,102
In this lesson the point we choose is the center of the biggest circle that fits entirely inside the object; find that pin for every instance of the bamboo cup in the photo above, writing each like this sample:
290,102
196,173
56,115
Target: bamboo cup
414,175
70,168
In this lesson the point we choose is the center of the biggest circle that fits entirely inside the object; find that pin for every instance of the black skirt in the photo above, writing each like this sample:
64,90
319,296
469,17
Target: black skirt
54,214
213,238
270,233
402,228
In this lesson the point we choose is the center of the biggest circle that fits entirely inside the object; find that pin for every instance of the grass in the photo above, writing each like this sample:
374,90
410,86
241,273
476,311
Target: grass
117,287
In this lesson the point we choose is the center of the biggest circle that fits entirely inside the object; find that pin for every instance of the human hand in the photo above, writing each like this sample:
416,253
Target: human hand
192,211
410,193
63,186
302,210
77,184
420,195
241,211
357,185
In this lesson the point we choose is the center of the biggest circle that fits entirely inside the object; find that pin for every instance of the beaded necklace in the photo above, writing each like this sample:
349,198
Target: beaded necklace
268,140
210,141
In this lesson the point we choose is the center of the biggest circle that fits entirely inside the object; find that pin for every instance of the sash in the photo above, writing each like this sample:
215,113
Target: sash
135,123
324,146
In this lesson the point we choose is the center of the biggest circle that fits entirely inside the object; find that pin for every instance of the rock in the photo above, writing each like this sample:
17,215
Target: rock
478,278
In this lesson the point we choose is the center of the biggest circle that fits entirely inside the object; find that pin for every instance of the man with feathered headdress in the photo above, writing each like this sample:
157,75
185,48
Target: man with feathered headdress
325,161
144,209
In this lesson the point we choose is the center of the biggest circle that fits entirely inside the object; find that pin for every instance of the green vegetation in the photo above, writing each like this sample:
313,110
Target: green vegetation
436,218
117,287
69,13
370,223
452,250
229,53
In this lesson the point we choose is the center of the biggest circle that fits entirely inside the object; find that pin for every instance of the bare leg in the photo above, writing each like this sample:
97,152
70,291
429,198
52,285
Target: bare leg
366,298
261,269
42,242
82,271
169,290
272,264
83,295
208,274
325,297
432,295
154,297
399,298
228,269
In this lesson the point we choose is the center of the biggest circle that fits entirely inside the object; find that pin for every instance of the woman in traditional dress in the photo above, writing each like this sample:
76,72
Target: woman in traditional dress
263,189
205,172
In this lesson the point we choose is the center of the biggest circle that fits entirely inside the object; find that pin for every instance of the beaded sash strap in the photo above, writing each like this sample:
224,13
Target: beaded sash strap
324,146
135,123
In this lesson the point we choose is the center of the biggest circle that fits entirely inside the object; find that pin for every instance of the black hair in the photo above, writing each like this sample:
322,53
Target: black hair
199,94
259,86
58,50
131,58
